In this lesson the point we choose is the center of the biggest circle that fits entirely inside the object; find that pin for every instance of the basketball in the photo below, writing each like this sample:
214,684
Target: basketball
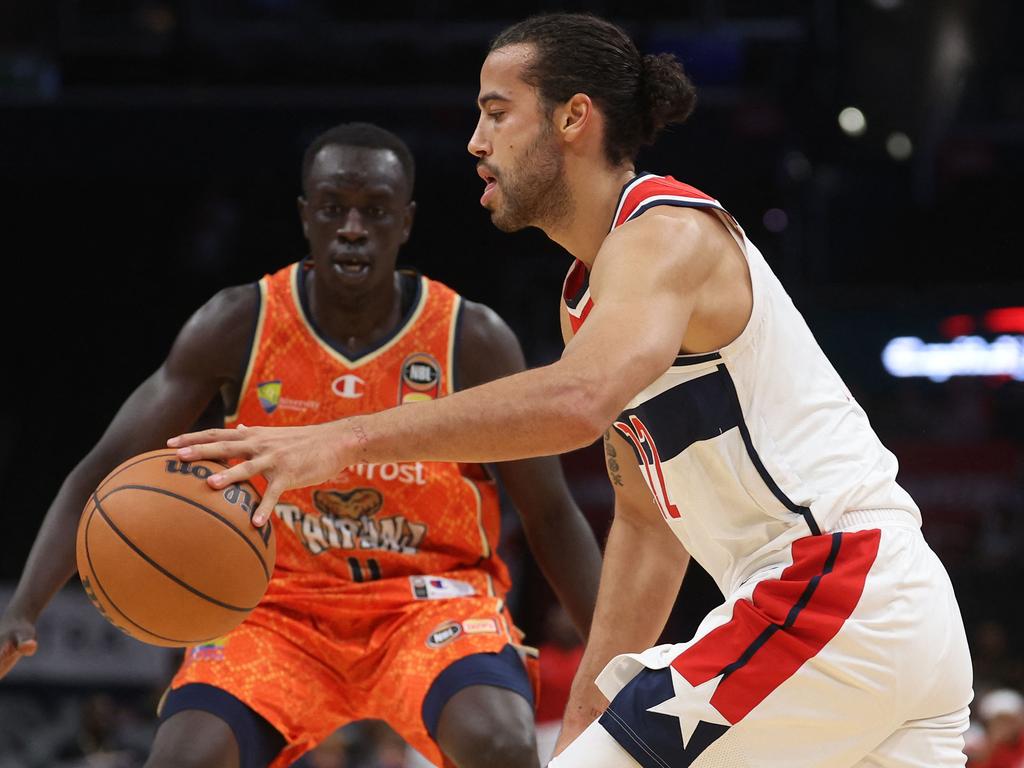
166,558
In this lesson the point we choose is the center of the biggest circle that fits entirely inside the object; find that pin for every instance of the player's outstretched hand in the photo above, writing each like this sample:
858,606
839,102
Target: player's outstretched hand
17,639
287,457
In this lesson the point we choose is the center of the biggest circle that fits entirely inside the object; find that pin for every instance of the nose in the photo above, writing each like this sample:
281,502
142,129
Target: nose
351,227
478,145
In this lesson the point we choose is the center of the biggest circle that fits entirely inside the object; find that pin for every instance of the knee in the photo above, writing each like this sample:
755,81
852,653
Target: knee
184,761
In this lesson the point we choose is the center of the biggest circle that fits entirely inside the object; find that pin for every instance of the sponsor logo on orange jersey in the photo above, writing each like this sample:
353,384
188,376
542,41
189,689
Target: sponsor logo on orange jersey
480,626
212,651
444,634
269,394
348,386
421,378
439,588
405,472
348,521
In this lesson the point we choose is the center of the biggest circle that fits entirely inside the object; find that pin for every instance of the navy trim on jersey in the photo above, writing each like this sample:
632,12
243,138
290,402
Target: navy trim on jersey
406,289
792,506
258,741
500,670
457,345
651,738
692,411
675,203
573,302
622,194
695,359
805,598
701,409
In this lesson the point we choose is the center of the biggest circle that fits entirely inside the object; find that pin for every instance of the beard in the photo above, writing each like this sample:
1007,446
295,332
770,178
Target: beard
536,192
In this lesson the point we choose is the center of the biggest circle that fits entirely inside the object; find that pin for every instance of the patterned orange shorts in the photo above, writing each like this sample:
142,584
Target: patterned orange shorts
310,662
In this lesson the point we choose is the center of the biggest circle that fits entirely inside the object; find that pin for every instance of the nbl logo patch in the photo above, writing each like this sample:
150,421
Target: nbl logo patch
421,378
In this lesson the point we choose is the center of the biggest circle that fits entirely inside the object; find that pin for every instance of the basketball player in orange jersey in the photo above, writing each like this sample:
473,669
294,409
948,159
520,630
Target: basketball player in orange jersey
388,599
729,436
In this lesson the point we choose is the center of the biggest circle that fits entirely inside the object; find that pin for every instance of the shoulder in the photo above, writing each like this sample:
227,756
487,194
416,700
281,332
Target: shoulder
218,335
227,308
684,241
486,347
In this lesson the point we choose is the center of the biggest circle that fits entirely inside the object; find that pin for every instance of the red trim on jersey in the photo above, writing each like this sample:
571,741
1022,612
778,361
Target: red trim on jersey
807,606
652,187
645,188
574,282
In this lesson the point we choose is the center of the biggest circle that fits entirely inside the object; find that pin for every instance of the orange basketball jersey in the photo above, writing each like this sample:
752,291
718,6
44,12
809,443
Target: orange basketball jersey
400,523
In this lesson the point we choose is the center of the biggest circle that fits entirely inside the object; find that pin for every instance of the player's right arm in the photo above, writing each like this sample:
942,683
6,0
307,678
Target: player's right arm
206,360
643,567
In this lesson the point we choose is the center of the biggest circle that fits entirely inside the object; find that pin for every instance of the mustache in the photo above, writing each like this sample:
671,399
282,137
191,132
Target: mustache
488,169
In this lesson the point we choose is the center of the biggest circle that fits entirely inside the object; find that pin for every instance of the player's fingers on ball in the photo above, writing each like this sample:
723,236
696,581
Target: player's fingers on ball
220,451
270,496
232,475
263,511
206,436
28,647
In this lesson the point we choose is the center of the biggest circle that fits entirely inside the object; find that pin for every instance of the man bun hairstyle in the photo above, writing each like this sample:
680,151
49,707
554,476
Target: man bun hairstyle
579,53
366,135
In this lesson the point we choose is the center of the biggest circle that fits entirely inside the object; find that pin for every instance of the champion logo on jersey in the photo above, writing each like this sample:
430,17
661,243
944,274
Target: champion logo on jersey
421,378
348,386
269,393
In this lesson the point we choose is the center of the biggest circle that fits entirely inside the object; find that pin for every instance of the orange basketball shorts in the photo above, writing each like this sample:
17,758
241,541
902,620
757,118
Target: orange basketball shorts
310,660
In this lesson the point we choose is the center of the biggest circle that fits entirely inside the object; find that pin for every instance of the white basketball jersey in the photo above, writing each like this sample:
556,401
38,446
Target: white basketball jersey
751,447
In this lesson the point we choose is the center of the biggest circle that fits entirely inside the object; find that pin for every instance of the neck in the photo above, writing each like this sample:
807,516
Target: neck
354,320
595,190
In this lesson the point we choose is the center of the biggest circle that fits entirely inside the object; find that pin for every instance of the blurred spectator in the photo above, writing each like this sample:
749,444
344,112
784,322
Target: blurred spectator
975,746
996,665
1002,713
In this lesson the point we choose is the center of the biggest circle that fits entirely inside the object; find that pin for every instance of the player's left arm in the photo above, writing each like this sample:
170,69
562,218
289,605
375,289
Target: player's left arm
649,275
560,538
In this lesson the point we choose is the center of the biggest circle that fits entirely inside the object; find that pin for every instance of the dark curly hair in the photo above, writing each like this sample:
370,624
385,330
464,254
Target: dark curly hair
580,53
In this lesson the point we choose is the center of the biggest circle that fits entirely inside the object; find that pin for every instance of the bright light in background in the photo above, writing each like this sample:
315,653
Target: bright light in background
964,356
852,121
775,220
899,146
887,5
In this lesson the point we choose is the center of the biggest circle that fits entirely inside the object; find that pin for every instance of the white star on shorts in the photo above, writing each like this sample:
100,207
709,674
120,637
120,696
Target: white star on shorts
691,705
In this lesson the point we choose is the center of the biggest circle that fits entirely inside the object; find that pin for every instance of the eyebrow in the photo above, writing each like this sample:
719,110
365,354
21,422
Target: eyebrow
492,96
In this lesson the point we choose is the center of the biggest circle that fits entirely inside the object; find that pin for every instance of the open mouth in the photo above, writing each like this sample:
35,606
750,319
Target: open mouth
491,184
351,267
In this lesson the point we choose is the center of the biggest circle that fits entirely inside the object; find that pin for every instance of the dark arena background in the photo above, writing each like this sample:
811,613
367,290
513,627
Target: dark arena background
149,155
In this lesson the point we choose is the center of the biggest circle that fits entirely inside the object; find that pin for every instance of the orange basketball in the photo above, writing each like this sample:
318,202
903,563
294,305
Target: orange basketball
169,560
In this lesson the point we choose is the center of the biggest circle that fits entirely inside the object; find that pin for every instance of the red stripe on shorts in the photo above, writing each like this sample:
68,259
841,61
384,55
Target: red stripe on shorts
786,622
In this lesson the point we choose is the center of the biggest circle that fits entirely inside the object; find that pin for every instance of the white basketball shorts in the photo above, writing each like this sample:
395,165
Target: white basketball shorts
851,653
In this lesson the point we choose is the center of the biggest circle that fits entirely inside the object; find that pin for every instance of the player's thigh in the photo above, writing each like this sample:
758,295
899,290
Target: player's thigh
484,725
594,748
203,726
194,739
933,743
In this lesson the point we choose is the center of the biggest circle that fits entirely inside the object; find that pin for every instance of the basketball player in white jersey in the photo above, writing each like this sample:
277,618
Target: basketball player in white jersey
839,642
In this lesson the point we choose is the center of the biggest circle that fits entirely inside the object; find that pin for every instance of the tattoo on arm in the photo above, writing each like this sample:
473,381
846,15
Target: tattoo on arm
611,458
360,433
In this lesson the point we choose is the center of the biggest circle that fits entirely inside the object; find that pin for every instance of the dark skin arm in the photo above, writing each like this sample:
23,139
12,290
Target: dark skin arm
200,374
559,536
